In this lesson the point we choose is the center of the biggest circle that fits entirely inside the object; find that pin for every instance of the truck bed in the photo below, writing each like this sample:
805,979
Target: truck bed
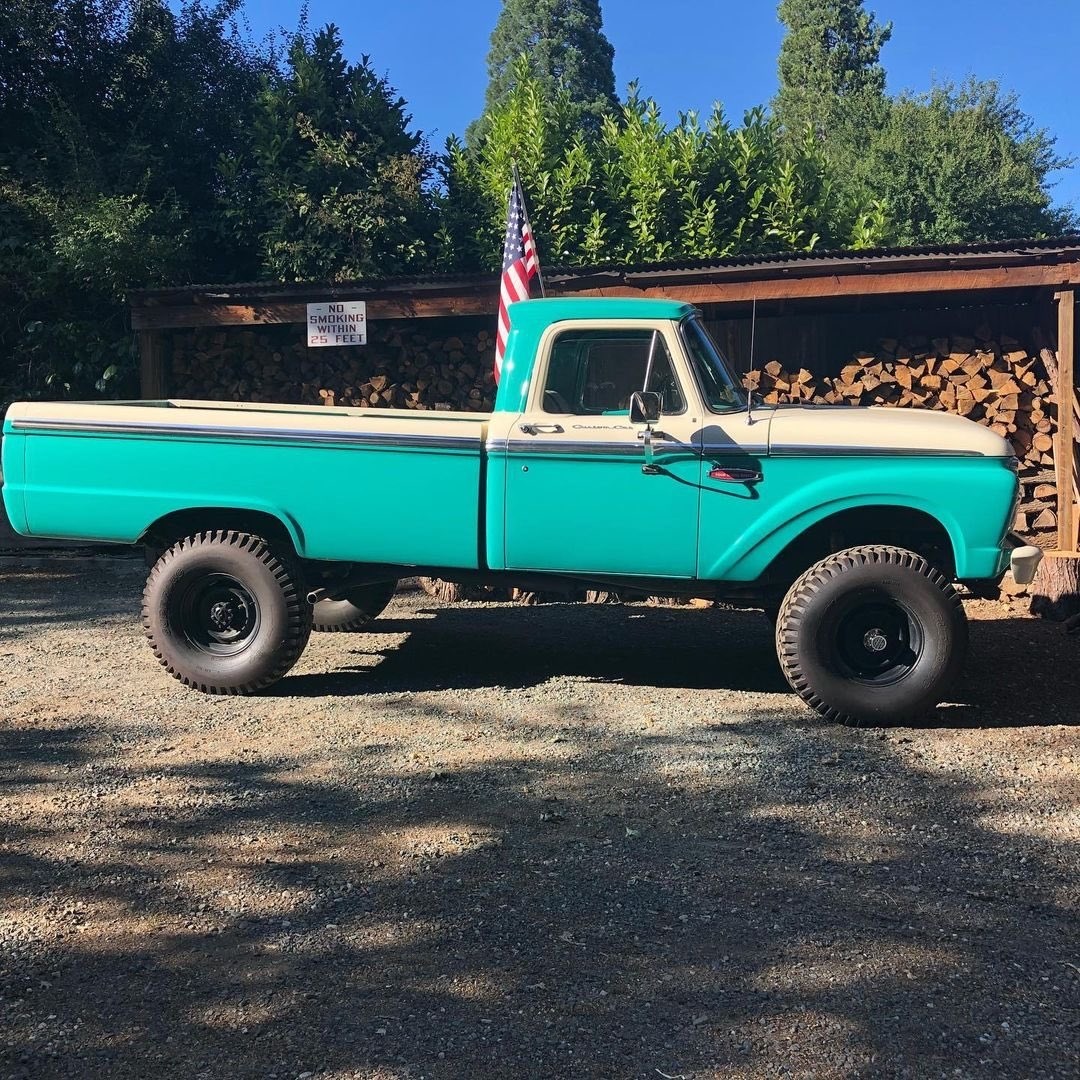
350,484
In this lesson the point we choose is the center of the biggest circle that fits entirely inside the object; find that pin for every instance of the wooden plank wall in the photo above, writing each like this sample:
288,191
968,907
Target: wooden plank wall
825,342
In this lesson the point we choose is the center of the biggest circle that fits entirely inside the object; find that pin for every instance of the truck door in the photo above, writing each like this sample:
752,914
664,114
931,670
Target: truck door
577,495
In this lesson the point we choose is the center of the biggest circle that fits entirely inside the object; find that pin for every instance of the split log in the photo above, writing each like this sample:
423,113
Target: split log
1055,592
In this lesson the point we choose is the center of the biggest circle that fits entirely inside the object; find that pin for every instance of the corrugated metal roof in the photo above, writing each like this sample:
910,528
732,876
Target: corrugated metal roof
1008,252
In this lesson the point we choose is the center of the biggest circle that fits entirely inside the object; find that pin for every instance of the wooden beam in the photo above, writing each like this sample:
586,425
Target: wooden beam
859,282
866,283
178,317
1065,449
153,382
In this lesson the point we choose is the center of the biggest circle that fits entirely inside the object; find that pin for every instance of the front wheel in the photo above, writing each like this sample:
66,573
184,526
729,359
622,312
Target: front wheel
871,635
225,613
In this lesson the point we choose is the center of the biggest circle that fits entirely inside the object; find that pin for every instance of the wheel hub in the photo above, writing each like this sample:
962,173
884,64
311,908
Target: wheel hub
874,639
226,615
218,614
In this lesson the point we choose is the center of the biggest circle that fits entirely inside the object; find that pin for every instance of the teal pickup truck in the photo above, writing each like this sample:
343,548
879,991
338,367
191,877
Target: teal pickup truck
622,453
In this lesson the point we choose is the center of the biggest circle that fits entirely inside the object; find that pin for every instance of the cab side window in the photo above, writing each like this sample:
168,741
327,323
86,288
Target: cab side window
594,372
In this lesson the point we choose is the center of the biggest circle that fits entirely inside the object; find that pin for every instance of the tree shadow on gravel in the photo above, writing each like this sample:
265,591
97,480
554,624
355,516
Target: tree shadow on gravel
755,899
31,599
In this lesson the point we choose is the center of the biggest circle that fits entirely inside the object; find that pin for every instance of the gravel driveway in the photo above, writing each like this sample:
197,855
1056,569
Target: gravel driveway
540,842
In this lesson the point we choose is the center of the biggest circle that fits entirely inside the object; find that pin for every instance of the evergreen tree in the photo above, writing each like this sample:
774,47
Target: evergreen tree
567,50
113,115
334,183
955,165
829,66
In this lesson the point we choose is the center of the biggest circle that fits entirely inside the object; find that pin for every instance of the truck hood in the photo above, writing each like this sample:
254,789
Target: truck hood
807,429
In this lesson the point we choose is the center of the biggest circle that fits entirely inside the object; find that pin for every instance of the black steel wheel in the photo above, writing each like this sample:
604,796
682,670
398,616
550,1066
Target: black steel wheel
355,610
871,635
225,613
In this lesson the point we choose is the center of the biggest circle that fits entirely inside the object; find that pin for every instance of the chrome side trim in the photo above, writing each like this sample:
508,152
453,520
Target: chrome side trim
546,447
724,449
711,450
553,446
352,438
809,450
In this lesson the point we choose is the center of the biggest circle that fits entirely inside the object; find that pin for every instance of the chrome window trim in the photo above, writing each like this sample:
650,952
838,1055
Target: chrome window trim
736,407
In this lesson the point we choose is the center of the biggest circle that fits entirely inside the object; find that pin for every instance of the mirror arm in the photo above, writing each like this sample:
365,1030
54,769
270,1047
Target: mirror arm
652,357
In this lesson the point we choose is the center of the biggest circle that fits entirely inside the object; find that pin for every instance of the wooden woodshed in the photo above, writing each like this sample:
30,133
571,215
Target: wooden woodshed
985,329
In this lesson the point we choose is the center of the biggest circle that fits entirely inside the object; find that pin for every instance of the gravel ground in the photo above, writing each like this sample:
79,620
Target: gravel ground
541,842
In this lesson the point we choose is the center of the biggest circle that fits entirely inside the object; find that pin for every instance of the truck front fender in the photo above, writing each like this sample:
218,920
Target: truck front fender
970,498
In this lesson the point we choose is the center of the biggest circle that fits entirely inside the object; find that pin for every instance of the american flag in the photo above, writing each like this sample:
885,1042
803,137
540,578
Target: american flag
520,266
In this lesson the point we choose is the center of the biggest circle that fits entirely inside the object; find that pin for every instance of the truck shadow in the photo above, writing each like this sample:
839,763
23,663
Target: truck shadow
515,647
59,592
510,647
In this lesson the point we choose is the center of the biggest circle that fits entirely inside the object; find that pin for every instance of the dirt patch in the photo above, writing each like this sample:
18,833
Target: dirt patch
506,841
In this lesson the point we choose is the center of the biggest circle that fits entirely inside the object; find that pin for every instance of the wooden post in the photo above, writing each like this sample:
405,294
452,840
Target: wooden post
1064,448
1055,592
152,375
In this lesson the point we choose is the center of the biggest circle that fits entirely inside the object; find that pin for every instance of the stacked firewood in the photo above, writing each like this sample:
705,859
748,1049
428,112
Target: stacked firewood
997,383
402,367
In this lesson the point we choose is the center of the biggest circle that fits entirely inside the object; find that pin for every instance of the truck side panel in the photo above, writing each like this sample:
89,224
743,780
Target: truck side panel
347,502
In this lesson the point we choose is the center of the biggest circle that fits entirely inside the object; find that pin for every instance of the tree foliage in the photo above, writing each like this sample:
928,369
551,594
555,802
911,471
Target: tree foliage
960,164
331,183
957,164
112,116
641,190
567,52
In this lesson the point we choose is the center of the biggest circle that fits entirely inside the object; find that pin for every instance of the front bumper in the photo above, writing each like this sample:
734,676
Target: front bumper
1024,563
1023,558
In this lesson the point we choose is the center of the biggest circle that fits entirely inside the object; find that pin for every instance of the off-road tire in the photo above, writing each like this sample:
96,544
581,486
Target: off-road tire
356,610
204,584
890,673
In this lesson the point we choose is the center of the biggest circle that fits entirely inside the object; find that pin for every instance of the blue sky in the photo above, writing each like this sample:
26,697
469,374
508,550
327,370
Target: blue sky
690,53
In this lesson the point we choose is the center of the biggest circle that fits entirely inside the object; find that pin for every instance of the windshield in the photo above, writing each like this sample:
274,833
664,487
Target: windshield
719,387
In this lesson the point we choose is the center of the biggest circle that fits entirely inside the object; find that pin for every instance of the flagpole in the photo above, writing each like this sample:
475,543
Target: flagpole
525,211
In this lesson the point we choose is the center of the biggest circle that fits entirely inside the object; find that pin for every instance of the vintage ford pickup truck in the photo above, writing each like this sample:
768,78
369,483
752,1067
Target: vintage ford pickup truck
622,452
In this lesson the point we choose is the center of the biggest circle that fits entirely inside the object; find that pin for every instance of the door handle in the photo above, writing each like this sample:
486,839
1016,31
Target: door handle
734,476
542,429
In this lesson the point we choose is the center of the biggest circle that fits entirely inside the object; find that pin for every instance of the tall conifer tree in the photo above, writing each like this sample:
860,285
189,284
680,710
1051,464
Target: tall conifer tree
830,67
567,50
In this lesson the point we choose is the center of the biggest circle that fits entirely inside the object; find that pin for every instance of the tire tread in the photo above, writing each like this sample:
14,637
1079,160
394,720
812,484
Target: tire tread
298,627
795,602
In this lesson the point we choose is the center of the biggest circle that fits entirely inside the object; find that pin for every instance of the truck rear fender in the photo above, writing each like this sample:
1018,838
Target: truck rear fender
170,528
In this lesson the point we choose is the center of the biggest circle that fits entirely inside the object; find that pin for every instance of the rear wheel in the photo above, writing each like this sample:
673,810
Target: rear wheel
871,635
355,610
225,613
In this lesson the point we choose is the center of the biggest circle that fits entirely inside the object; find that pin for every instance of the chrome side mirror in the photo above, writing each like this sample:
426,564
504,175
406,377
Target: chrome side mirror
644,407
